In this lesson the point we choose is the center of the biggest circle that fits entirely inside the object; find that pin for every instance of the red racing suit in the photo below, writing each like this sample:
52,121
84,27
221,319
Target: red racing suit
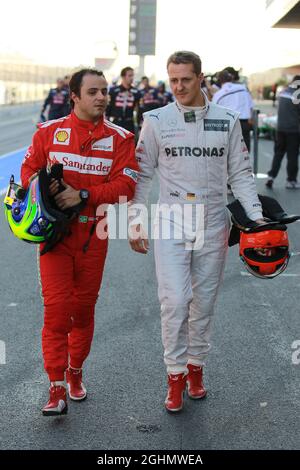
99,158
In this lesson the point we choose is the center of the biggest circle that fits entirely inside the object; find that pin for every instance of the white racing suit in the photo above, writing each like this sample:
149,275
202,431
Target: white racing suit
193,154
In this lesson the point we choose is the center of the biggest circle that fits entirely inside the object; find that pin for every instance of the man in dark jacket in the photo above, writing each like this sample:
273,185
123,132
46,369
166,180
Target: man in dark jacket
287,135
123,100
57,100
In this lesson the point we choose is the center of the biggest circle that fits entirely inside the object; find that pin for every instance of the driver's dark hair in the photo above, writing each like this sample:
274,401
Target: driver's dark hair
125,70
76,81
186,57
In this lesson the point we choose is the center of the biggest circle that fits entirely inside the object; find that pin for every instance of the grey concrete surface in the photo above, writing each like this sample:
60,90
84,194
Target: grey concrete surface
17,124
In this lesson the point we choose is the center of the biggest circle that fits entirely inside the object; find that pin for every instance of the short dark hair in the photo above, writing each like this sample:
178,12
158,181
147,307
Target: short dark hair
76,81
186,57
224,76
125,70
235,73
144,78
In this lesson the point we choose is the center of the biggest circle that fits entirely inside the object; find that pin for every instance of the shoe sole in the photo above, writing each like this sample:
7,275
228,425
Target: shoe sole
177,410
74,398
56,413
78,399
197,397
193,397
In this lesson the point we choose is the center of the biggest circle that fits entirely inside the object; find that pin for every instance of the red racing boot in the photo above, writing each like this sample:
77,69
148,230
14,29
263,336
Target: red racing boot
195,385
76,389
57,403
176,388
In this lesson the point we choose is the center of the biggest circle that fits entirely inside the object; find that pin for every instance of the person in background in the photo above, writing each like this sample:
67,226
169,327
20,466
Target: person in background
287,138
234,73
67,89
164,97
236,96
149,98
209,86
123,101
57,102
274,94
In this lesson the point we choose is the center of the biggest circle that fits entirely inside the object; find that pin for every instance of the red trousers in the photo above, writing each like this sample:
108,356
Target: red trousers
70,282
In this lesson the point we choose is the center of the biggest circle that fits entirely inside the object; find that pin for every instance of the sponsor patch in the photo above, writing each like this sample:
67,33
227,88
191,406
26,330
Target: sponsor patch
172,136
104,145
194,152
191,196
62,136
27,154
80,164
175,194
172,122
35,229
84,219
190,116
131,173
154,116
218,125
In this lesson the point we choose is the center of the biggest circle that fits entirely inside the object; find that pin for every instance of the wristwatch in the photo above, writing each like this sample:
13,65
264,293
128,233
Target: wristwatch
84,195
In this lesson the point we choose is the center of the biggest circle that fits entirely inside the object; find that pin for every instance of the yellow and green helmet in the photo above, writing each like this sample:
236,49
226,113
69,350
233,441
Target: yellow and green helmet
32,214
25,213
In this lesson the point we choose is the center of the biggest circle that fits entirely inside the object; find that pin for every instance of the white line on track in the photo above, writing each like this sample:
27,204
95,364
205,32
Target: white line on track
283,274
12,153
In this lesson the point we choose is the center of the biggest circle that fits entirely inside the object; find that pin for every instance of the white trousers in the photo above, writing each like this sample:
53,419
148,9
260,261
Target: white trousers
188,283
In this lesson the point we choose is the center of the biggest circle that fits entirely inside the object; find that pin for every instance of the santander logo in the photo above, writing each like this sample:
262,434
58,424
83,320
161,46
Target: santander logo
80,164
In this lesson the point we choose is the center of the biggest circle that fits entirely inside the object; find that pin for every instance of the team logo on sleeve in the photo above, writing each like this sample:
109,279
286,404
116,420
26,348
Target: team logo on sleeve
27,154
131,173
62,136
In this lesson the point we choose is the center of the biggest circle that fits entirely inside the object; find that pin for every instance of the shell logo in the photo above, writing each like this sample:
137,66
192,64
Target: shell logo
61,136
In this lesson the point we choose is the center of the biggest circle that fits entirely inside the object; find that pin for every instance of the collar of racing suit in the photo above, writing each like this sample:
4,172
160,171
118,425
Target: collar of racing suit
124,88
96,129
89,130
200,111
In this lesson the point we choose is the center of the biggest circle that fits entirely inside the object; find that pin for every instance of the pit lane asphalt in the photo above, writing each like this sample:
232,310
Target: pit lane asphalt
17,124
253,386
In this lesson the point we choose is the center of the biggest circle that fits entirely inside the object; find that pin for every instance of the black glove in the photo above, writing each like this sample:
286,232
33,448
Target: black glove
274,215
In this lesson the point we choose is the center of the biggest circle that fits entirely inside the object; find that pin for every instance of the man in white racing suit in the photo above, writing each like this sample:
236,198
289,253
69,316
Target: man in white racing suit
194,146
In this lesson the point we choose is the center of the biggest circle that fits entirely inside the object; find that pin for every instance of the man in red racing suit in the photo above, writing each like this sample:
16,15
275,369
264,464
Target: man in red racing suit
99,166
